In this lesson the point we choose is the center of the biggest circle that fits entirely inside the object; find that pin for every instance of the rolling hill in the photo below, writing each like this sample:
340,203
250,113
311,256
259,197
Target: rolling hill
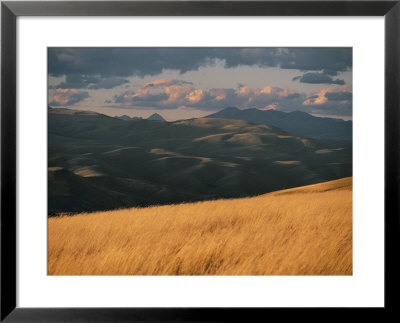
297,122
301,231
127,118
98,162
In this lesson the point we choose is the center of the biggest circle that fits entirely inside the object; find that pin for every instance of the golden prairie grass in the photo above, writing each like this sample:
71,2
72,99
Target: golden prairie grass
301,231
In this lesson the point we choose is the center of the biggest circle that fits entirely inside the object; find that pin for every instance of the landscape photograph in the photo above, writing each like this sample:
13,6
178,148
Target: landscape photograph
200,161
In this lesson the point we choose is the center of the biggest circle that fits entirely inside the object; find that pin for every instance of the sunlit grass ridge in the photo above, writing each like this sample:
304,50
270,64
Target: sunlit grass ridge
302,231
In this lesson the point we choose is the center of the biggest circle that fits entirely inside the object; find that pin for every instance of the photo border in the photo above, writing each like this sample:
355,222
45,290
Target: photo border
10,10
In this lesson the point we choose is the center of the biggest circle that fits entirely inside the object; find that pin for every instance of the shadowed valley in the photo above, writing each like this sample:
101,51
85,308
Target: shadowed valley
296,122
98,162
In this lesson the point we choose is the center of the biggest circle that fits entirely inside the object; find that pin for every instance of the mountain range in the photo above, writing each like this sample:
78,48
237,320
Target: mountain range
154,116
297,122
96,162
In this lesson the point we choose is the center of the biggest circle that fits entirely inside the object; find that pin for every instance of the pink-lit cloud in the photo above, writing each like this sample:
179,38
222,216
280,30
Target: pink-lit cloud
321,97
272,106
68,97
171,94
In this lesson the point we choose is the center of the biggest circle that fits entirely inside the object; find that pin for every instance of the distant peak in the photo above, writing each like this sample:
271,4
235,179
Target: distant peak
156,117
230,109
299,112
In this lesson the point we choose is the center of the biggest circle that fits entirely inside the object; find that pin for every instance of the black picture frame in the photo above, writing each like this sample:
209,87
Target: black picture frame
10,10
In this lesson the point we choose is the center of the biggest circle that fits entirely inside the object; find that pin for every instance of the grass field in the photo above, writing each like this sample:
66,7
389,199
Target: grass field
301,231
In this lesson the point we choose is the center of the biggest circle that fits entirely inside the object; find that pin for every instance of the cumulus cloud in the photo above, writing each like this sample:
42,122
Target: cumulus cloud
317,78
334,94
272,106
68,97
141,98
335,101
171,94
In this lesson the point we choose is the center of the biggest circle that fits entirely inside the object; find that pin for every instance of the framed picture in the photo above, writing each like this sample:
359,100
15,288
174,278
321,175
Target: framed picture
198,161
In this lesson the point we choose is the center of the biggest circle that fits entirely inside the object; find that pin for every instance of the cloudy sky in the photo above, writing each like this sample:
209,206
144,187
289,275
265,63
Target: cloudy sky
181,83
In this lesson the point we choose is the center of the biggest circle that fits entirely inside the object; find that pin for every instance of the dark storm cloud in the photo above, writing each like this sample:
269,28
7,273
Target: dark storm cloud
317,78
108,83
126,61
80,64
76,81
330,72
293,96
166,82
339,96
331,60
